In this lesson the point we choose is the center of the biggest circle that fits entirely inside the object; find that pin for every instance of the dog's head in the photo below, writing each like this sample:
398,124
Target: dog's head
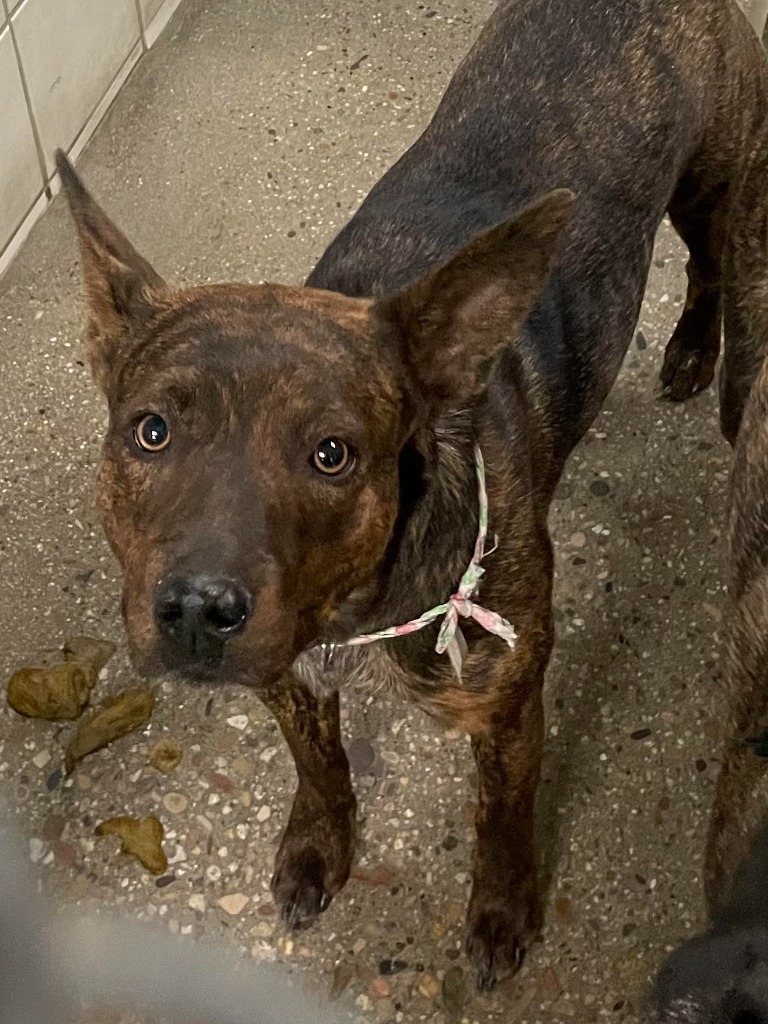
250,481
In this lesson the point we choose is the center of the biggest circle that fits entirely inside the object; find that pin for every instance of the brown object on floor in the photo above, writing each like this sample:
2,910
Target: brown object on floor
56,689
54,692
89,651
141,838
125,713
165,755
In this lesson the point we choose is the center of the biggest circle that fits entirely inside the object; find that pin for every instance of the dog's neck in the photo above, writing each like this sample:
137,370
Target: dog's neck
434,535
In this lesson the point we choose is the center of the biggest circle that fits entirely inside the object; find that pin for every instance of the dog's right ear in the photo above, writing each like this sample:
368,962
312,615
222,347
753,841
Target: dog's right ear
454,321
122,291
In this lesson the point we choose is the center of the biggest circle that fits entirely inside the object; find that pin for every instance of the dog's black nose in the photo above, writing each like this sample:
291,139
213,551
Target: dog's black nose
190,609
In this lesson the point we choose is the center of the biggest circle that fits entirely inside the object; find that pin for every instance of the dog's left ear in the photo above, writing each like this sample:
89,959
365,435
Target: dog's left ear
455,321
122,291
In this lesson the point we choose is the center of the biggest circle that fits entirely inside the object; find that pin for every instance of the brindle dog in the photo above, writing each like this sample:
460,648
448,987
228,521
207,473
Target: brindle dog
721,976
741,797
291,467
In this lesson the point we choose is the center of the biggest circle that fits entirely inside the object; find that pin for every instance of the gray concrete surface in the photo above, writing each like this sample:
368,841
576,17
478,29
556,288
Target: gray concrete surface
238,148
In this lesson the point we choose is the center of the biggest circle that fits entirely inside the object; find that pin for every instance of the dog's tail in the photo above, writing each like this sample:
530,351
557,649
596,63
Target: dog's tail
721,977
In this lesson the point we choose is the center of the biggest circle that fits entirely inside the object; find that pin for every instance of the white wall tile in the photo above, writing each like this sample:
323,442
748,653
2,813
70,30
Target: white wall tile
20,177
71,51
149,9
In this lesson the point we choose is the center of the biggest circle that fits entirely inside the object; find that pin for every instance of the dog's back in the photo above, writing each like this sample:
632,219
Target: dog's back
556,94
632,104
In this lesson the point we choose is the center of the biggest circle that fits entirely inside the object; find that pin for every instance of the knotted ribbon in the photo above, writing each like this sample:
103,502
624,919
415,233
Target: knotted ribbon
450,638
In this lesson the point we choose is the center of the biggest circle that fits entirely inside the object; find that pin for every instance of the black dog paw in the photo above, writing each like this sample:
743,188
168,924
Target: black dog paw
313,862
496,943
299,889
688,369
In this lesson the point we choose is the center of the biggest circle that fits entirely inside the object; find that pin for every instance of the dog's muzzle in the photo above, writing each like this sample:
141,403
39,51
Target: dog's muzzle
197,615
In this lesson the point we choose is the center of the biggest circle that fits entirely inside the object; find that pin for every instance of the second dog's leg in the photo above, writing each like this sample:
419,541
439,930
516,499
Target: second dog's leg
315,854
738,809
741,795
746,296
691,353
504,908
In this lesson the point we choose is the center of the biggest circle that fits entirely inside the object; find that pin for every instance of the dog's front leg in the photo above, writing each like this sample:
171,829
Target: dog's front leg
504,908
315,855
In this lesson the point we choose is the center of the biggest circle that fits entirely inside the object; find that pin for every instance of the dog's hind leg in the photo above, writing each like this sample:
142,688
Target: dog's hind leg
741,795
691,354
745,291
315,854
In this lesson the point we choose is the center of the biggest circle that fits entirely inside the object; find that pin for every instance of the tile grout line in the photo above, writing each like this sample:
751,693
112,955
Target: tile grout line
28,100
124,72
80,141
6,246
10,247
142,28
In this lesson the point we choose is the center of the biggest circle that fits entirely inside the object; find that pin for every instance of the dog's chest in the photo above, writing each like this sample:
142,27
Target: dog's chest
369,668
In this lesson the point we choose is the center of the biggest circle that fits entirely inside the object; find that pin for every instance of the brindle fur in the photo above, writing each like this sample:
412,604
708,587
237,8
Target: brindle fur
741,797
721,976
431,323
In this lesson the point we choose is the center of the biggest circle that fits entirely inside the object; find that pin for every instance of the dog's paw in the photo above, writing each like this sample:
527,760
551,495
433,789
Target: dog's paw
312,864
687,369
299,889
497,938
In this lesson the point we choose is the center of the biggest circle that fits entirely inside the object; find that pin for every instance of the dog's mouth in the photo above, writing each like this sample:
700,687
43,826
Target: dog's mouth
208,667
202,653
213,664
162,661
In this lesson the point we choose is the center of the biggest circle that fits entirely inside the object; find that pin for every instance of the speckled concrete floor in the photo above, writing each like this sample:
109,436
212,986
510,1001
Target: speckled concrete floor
238,148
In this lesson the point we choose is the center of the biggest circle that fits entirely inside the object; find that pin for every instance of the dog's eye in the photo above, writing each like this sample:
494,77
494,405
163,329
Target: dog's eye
151,433
332,457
